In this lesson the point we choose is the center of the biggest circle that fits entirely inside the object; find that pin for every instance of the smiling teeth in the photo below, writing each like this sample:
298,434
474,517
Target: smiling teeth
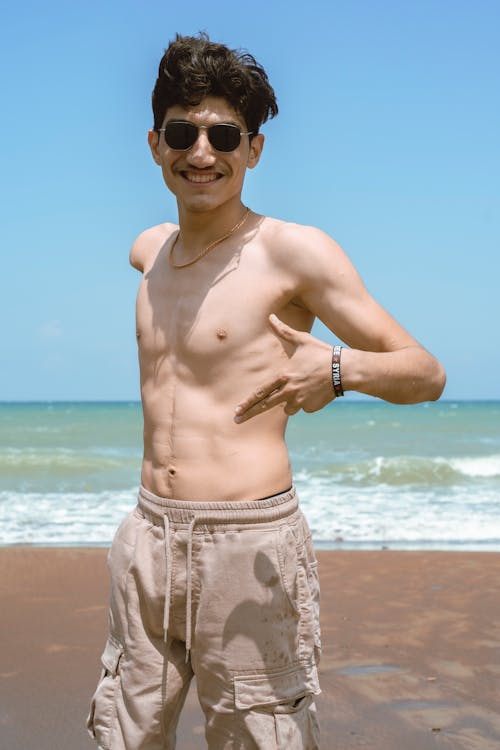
201,177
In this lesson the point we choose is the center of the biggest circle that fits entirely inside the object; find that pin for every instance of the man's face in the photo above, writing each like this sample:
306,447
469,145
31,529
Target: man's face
201,177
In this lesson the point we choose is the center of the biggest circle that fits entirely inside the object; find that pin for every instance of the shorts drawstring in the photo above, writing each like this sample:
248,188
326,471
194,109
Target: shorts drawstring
189,587
168,581
168,577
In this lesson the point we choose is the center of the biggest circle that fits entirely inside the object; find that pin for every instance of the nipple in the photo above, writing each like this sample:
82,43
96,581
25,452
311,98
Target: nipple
221,334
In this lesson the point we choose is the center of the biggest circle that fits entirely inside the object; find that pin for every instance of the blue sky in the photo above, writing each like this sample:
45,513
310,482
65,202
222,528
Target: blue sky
387,139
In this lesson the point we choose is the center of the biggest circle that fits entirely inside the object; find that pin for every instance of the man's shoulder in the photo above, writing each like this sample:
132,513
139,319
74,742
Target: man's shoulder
288,240
148,244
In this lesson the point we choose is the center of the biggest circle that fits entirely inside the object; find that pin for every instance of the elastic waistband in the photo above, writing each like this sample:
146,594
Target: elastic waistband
268,509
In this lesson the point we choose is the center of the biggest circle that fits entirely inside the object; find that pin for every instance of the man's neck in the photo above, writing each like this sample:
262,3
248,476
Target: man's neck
199,228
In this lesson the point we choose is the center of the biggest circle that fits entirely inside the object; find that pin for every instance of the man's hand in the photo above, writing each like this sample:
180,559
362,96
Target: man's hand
304,382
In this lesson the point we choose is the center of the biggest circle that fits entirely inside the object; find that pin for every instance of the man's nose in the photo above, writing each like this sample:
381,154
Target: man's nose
201,153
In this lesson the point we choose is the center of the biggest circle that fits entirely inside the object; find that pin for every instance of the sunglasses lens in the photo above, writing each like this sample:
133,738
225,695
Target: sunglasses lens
180,135
224,137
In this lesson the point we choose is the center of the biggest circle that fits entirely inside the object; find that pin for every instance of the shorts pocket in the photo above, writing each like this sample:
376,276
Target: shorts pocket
278,708
299,573
103,705
310,566
313,584
121,552
297,726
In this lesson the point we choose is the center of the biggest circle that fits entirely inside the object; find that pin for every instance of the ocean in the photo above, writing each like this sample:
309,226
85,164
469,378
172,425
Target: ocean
370,475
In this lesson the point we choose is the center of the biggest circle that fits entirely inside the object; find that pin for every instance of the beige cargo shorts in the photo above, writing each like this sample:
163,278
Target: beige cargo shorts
224,591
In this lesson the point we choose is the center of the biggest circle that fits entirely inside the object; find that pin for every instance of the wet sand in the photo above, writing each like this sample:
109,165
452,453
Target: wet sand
411,650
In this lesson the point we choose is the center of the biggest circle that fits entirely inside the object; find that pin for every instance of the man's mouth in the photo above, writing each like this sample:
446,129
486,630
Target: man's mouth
201,177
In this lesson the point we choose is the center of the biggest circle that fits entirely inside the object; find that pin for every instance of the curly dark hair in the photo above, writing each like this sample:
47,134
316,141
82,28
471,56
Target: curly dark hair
194,67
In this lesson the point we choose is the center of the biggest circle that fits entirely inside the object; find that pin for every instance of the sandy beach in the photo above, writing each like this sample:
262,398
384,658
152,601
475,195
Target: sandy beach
411,649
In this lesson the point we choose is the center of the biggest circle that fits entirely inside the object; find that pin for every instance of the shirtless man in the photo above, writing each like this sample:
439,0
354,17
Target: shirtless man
214,573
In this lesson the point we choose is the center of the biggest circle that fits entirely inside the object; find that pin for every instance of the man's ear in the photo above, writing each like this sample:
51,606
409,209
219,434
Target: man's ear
153,140
256,146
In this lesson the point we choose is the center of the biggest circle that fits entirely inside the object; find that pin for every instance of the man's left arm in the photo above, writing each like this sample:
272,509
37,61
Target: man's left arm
381,360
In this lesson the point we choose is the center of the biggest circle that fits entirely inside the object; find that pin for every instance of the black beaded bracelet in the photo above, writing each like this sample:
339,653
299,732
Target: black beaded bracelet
336,377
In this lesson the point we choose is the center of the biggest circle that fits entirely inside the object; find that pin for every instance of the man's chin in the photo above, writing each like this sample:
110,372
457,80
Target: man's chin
202,203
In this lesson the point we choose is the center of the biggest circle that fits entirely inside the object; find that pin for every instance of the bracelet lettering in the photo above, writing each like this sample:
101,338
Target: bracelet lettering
336,376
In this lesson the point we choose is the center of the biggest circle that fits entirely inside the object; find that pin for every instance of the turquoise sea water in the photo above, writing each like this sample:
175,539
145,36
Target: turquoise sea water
369,474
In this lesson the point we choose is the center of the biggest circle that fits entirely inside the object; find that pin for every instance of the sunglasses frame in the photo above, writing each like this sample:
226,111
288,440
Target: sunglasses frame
208,128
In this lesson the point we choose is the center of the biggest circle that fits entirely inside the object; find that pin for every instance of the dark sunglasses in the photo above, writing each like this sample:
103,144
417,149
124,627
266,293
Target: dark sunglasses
181,135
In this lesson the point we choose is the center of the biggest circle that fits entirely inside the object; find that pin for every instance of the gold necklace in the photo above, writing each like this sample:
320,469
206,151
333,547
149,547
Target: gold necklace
209,247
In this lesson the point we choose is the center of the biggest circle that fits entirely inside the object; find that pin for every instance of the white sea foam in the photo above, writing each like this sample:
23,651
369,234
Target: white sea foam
391,515
370,516
480,466
62,518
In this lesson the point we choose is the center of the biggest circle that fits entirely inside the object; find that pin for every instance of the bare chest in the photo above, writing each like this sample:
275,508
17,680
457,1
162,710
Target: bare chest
208,315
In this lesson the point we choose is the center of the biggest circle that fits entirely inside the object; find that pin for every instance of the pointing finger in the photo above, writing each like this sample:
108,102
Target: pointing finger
263,393
259,407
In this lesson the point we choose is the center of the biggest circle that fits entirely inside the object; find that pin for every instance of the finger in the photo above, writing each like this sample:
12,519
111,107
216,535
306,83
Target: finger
264,391
285,332
269,402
